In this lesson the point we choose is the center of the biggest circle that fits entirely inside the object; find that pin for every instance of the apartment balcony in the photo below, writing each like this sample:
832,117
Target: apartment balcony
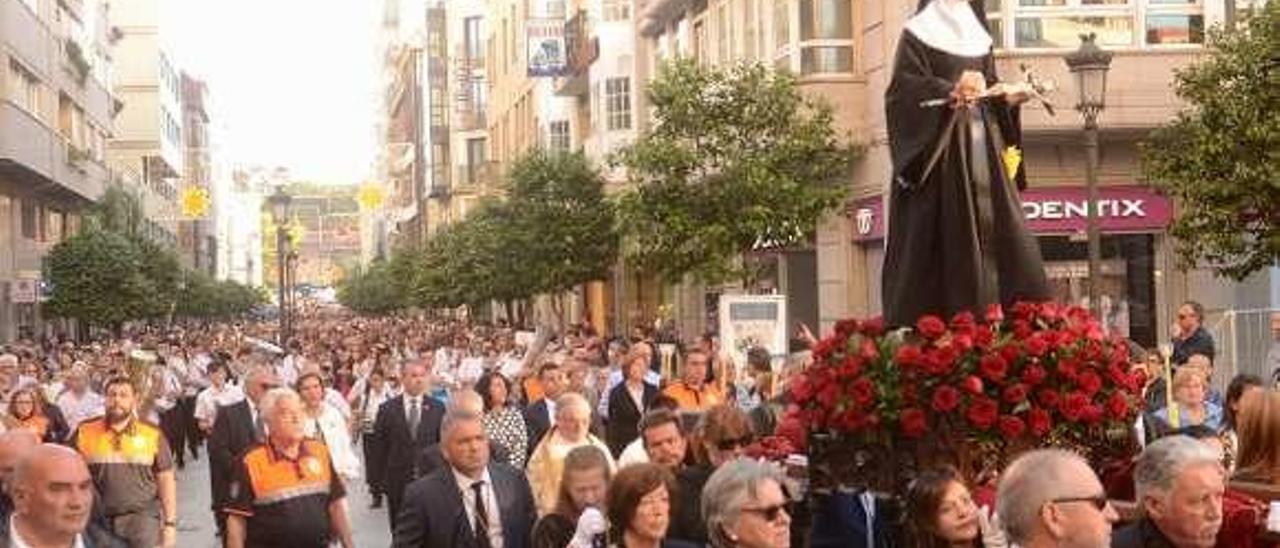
35,154
470,119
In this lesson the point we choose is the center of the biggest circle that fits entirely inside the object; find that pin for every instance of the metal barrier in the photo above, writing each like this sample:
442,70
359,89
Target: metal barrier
1243,339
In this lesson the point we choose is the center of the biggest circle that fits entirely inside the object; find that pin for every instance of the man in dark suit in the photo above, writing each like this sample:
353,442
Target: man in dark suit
471,503
539,415
627,403
405,426
236,428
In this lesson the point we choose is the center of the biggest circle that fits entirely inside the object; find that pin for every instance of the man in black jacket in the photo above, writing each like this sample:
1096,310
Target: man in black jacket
405,426
539,415
1192,337
1179,482
236,428
471,503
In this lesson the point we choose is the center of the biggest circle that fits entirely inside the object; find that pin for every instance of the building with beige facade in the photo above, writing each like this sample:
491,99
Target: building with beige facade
843,51
148,141
56,116
197,238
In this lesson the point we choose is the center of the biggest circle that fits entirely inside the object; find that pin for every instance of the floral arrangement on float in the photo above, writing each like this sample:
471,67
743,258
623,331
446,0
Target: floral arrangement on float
877,405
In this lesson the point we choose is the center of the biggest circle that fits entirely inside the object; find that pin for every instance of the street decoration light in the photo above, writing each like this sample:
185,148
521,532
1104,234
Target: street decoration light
280,202
1089,65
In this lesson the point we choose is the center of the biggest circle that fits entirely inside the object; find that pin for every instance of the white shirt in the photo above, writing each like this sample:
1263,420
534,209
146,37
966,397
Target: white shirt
336,399
409,403
634,453
615,378
80,408
210,399
16,540
490,500
331,429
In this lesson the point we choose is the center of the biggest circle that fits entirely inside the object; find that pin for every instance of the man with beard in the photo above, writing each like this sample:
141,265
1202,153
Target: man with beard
132,469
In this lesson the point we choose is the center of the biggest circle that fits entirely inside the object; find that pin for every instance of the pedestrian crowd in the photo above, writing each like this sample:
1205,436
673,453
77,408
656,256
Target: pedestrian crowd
486,436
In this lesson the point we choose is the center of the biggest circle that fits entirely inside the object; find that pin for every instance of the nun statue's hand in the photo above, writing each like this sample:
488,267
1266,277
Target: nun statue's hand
971,86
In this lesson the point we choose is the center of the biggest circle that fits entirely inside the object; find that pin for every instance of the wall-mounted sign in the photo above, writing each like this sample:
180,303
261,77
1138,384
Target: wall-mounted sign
1053,210
546,51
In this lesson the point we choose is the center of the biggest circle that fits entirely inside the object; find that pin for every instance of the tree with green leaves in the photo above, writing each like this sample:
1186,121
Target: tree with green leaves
1220,158
372,290
737,159
97,279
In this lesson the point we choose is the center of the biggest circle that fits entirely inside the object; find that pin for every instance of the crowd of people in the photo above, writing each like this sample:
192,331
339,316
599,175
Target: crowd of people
487,436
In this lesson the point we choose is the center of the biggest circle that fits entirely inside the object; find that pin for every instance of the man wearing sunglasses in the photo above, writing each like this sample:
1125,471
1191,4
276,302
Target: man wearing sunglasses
1051,499
236,428
1190,336
1180,484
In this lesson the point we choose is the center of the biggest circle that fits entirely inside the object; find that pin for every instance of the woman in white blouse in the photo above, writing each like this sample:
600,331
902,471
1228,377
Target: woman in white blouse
219,393
325,423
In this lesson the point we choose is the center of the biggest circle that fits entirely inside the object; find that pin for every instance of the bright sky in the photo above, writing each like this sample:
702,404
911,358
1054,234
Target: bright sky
291,82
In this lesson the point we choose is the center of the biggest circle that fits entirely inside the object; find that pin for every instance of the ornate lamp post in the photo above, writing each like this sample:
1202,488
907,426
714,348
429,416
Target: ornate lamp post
280,202
1089,65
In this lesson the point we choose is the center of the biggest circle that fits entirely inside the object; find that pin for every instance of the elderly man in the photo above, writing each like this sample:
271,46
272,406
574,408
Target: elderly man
1190,335
14,444
572,429
236,428
79,403
1180,484
53,498
1051,498
285,491
496,503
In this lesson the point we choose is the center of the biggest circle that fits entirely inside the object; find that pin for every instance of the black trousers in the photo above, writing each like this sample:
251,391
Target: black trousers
370,471
191,427
175,433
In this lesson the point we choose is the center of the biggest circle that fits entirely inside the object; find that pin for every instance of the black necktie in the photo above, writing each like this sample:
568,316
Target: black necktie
482,517
259,431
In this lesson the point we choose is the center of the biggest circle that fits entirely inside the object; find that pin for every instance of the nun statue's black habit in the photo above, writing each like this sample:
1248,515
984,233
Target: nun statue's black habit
956,237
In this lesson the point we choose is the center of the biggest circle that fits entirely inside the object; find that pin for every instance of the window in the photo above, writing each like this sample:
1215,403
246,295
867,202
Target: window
617,96
28,215
558,137
472,34
615,10
781,24
826,33
24,88
1118,23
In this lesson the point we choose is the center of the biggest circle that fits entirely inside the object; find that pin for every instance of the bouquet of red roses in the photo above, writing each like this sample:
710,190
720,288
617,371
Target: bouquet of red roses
1044,375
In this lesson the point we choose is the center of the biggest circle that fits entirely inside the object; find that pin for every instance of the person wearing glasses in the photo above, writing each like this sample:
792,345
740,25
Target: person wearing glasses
1190,337
724,431
745,506
1180,485
1050,498
236,428
940,513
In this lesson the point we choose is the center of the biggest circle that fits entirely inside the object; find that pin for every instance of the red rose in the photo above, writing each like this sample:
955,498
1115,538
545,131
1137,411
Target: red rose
909,392
1024,310
1090,383
971,384
863,392
1049,310
1048,397
1118,406
824,349
993,367
1022,329
1069,368
868,350
1038,420
1011,427
1036,346
930,327
1010,353
873,327
908,355
847,327
982,338
962,342
849,421
995,313
850,368
1015,393
1093,414
945,398
1033,375
982,412
1074,406
963,321
913,422
828,396
801,389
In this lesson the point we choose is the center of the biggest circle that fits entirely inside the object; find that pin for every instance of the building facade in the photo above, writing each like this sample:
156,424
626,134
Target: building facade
56,116
197,242
148,142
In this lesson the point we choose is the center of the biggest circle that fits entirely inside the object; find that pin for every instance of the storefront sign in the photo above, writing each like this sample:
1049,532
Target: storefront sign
1054,210
747,321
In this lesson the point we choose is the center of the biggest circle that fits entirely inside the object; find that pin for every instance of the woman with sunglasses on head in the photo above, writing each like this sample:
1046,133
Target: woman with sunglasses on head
940,513
744,503
722,434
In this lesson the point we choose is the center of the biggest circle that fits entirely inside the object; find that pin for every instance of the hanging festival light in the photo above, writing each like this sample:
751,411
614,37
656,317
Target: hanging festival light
370,196
194,202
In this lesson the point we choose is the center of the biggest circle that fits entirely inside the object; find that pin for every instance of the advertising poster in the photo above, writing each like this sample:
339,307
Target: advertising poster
546,51
753,320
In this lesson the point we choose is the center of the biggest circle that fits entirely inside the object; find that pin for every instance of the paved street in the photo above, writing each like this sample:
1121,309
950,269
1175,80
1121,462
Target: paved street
197,530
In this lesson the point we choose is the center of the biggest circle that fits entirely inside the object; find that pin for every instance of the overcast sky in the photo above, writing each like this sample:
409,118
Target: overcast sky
291,82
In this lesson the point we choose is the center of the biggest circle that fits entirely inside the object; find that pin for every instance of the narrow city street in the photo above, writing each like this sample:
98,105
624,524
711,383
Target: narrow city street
197,530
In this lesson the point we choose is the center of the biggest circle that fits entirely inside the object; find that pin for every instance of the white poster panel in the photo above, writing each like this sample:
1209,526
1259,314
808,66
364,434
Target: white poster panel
545,51
747,321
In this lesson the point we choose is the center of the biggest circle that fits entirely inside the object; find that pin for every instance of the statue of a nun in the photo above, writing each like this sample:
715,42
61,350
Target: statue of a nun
956,238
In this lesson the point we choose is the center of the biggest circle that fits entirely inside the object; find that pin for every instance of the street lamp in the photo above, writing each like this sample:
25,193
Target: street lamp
1089,64
280,201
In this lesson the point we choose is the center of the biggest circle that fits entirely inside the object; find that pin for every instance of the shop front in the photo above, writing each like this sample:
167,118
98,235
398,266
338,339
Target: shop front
1133,221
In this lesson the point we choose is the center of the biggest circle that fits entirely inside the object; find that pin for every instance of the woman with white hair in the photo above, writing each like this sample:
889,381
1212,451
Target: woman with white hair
546,465
745,505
